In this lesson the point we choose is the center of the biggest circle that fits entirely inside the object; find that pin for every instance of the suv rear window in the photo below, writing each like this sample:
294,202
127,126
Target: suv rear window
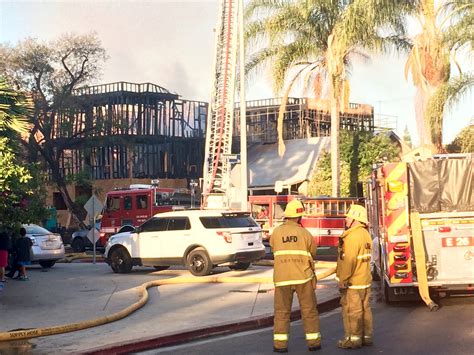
228,222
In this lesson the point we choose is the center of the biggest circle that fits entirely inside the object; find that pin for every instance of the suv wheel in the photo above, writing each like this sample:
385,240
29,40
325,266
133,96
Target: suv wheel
199,263
47,263
240,266
161,268
120,261
78,245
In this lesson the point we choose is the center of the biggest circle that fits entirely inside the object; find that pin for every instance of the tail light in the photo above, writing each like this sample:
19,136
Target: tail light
226,235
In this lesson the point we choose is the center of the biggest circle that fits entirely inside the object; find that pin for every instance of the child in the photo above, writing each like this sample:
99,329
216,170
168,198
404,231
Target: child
23,246
3,258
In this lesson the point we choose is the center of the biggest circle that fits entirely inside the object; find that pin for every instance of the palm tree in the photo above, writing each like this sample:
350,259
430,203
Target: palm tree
14,109
315,41
445,30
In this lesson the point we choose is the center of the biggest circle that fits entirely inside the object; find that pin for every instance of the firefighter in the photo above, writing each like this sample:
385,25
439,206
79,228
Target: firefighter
354,278
294,250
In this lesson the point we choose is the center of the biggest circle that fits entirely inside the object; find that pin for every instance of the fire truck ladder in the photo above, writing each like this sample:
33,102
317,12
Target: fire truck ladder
216,180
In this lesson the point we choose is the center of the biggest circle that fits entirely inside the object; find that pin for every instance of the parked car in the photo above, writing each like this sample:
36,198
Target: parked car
80,242
47,247
198,239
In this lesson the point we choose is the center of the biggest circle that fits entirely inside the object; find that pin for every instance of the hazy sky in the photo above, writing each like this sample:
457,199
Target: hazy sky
171,43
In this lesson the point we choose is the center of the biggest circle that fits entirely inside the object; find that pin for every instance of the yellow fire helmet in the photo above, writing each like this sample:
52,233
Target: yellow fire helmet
359,213
294,209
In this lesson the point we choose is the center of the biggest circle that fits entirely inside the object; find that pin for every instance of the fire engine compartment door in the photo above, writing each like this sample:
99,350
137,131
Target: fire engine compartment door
441,185
449,243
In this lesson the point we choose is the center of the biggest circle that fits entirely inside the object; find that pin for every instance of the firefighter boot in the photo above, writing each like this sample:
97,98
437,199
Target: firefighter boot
367,341
350,343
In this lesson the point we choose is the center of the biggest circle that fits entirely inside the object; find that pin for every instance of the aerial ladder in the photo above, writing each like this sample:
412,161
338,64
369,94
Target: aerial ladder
217,165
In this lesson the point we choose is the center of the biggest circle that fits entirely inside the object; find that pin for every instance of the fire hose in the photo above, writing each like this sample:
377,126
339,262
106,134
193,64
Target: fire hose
143,294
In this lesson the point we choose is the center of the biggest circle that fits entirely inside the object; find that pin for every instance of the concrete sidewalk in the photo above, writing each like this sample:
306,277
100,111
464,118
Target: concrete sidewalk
70,293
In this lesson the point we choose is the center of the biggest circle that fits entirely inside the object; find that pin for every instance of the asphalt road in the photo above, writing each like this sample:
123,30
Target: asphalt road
408,328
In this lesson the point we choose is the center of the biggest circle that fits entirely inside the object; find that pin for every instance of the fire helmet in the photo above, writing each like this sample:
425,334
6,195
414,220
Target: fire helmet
358,212
294,209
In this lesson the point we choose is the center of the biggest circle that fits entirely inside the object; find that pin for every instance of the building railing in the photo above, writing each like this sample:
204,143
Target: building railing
121,86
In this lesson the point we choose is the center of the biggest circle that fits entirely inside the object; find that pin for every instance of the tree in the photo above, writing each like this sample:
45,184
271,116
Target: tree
315,41
359,151
22,196
446,29
464,141
407,137
51,71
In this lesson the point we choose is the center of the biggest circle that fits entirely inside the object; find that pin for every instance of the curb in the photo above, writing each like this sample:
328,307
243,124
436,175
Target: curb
263,321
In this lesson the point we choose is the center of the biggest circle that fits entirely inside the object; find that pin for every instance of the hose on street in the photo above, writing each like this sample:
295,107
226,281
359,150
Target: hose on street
143,298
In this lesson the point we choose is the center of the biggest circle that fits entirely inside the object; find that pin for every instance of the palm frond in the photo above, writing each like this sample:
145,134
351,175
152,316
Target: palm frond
15,107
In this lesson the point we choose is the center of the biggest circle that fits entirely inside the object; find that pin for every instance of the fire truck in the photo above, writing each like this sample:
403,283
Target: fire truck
323,216
421,215
131,206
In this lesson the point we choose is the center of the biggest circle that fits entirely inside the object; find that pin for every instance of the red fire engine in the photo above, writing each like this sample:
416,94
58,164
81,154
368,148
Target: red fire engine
323,217
134,205
421,215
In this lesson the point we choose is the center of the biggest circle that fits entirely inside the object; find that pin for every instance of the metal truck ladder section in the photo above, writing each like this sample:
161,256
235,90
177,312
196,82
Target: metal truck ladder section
216,180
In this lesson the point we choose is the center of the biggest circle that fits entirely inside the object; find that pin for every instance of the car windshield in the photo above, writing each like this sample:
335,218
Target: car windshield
228,222
34,229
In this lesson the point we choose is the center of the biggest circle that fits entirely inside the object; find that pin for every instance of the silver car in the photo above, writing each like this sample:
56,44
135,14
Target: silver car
47,247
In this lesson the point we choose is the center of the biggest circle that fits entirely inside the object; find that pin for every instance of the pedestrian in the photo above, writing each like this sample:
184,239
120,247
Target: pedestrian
355,280
294,251
23,248
3,257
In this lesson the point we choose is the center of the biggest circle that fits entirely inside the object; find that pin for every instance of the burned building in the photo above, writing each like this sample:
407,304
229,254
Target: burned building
120,133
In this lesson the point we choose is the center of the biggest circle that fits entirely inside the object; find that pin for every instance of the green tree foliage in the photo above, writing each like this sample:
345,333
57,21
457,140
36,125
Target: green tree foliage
50,71
407,137
464,141
359,151
315,42
21,193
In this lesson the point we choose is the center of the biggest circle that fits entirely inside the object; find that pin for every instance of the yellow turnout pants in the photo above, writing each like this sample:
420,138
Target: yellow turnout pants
309,314
356,313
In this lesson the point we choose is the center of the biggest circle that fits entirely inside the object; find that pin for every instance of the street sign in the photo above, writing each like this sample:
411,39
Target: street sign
93,206
93,235
232,158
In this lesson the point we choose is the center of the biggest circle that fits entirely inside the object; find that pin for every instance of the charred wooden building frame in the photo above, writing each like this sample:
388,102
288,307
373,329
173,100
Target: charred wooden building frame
132,131
303,118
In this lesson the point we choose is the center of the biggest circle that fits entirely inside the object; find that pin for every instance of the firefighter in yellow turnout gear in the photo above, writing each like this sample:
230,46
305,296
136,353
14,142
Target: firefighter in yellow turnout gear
294,250
355,279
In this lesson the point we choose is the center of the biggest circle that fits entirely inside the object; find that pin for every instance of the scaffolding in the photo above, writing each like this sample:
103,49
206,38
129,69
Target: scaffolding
127,130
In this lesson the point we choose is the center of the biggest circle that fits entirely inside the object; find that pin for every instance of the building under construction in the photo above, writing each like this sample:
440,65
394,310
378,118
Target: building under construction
303,118
122,133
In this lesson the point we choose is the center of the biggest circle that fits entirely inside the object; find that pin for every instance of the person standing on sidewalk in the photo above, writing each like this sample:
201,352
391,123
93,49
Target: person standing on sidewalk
3,257
355,279
23,247
294,251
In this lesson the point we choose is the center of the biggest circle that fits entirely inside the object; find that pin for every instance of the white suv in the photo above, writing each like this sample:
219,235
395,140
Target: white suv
198,239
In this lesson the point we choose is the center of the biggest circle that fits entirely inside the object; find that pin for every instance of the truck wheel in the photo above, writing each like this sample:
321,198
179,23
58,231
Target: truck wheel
160,268
78,245
47,263
199,263
120,261
240,266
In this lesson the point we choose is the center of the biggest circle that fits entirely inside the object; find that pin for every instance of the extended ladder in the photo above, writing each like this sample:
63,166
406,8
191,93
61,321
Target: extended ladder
216,179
